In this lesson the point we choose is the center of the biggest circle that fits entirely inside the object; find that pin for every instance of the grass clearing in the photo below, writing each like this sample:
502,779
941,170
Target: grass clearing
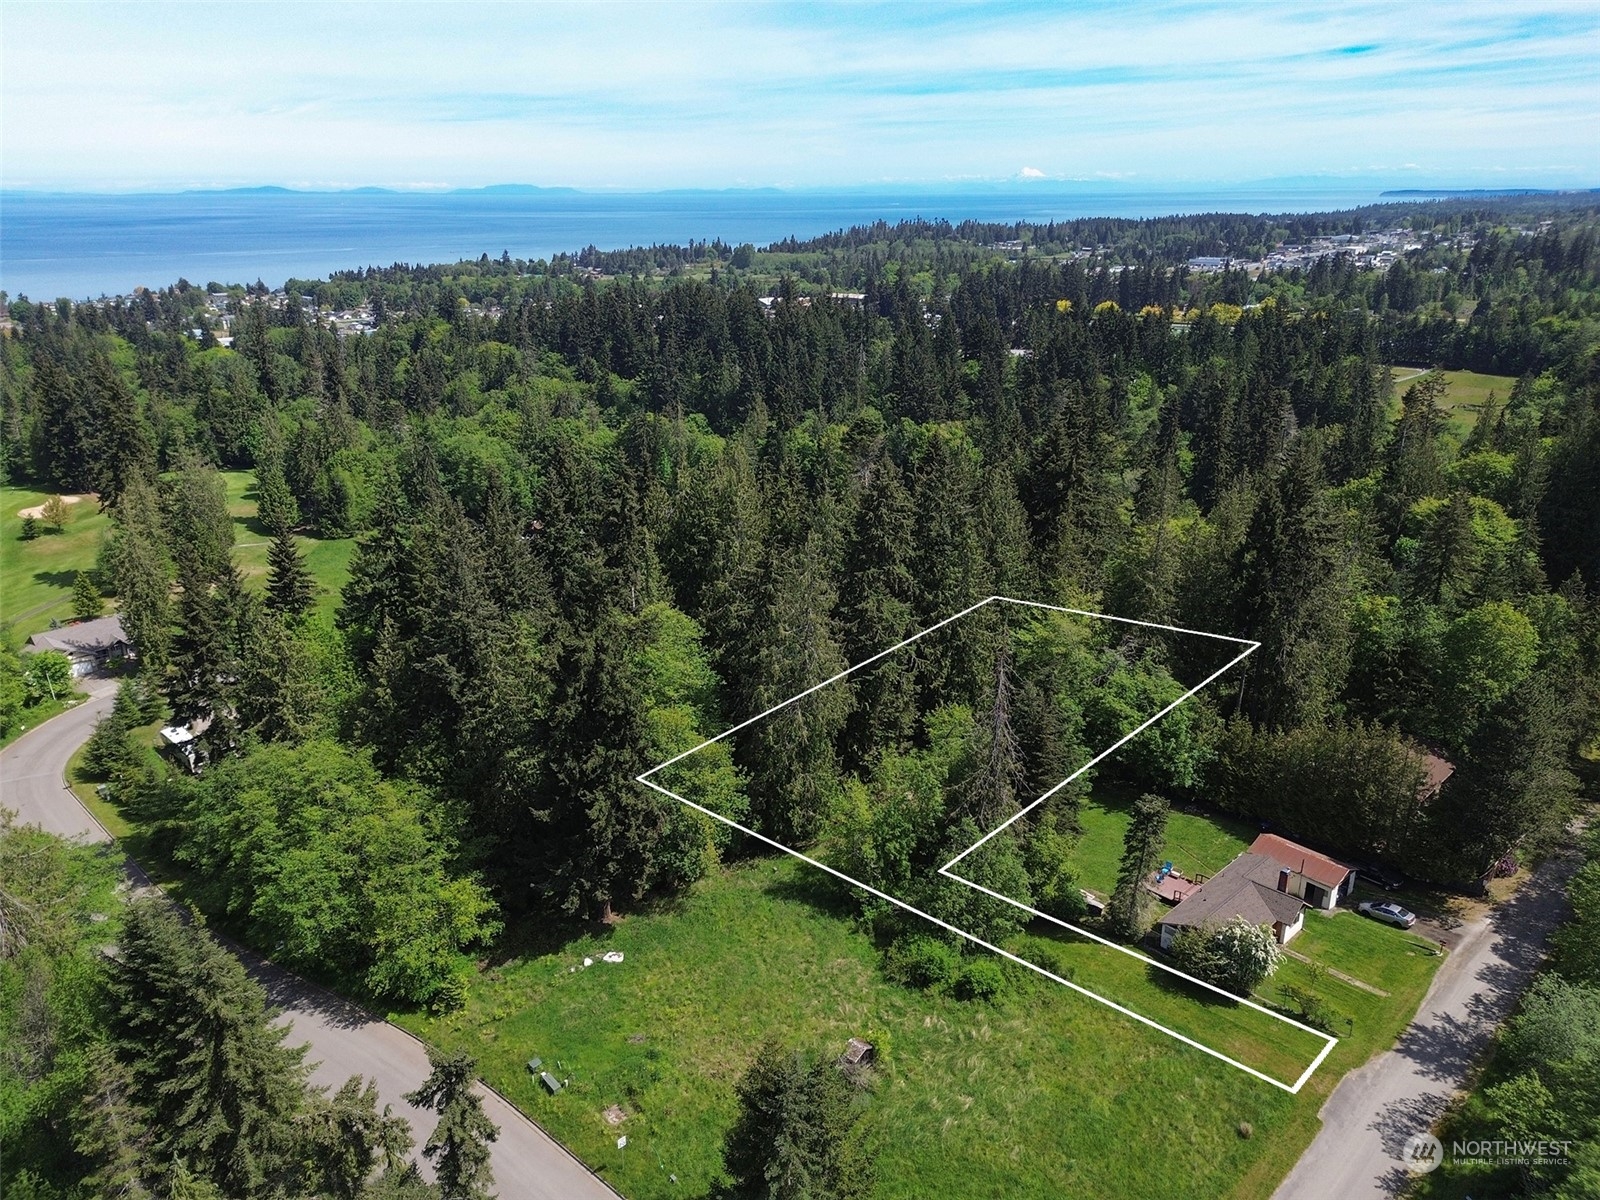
36,576
1041,1093
1464,395
1197,844
327,559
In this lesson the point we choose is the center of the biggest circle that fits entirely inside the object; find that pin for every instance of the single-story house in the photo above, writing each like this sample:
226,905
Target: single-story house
1252,886
1317,879
89,644
182,741
1436,771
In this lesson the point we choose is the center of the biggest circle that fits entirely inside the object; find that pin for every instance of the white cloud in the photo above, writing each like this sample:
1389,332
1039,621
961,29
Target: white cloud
683,94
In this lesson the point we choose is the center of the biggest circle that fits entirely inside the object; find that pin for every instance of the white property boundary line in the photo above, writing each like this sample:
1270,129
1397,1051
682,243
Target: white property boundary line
1250,647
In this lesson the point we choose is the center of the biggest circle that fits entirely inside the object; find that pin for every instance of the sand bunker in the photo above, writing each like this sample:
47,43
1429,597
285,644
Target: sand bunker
38,509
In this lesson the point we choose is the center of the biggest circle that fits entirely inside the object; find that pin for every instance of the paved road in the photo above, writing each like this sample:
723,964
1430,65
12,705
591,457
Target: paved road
344,1040
33,768
1404,1091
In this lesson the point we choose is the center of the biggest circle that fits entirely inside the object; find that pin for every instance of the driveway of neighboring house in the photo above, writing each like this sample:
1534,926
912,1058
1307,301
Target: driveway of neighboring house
344,1039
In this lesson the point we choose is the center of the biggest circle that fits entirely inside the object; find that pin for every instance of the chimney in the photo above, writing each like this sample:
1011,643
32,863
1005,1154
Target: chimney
1283,879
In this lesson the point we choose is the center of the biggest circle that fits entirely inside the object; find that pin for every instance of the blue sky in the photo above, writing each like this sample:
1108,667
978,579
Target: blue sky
142,96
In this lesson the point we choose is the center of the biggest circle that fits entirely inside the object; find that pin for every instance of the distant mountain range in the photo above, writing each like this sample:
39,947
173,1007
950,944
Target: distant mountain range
1030,187
494,189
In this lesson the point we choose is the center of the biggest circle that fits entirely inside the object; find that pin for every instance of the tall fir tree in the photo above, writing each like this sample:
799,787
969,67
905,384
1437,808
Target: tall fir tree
345,1139
597,831
876,594
1414,465
87,601
1142,846
203,1056
797,1136
275,503
64,437
1292,575
290,587
136,559
122,446
790,756
459,1144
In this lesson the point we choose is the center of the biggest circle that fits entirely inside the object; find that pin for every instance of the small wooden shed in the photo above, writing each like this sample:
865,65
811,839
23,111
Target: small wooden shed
857,1053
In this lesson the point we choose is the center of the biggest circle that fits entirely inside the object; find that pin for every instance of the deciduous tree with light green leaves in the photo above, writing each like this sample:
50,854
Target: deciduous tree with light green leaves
1237,955
318,856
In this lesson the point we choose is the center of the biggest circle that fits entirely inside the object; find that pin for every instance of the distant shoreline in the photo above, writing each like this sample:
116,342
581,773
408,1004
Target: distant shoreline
81,246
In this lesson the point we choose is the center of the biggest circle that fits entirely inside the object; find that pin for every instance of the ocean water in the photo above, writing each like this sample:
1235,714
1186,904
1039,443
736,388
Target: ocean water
85,246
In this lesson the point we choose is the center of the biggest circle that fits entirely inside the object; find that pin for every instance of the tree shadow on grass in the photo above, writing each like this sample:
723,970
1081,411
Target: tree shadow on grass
536,934
255,526
60,579
819,891
1177,986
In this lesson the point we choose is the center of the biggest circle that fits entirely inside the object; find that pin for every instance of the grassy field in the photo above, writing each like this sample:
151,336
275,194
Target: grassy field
1196,845
1464,394
328,560
38,575
1464,397
1042,1093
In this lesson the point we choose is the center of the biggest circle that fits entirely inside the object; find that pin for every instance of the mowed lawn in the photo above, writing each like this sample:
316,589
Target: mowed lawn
36,577
1042,1093
1464,395
1198,845
328,559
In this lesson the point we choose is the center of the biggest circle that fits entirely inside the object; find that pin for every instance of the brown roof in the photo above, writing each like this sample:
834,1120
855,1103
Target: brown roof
1318,868
1247,887
1438,770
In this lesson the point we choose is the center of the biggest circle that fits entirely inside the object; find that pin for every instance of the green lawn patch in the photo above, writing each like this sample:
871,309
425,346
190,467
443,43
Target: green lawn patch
1197,843
36,576
1464,395
1042,1093
327,559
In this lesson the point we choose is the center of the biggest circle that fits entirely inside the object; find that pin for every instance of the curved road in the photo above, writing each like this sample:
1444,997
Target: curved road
344,1039
1404,1091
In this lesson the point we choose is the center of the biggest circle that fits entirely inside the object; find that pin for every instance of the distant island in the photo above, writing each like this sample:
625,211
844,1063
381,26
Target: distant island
272,189
1471,192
